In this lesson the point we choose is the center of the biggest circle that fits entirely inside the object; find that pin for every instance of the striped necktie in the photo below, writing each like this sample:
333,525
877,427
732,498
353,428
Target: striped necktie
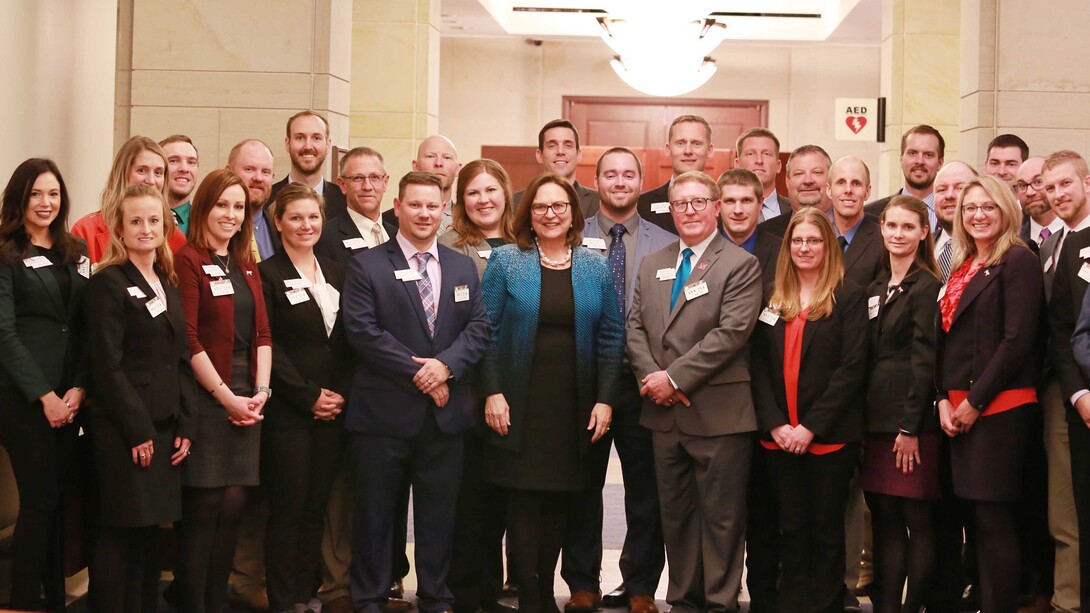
427,294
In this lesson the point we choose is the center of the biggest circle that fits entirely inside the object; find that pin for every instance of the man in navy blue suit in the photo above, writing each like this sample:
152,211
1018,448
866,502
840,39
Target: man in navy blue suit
414,316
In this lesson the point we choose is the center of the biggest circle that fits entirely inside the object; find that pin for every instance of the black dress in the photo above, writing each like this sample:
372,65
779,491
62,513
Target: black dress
550,458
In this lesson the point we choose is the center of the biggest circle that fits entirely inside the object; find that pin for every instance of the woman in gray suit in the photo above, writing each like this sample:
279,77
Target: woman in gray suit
483,214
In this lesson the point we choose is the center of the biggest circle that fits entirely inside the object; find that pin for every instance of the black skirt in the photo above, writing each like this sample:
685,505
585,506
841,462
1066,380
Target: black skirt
881,475
131,496
988,463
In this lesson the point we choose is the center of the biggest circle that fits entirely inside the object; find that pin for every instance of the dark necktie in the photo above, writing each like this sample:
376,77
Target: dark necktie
616,264
843,242
681,276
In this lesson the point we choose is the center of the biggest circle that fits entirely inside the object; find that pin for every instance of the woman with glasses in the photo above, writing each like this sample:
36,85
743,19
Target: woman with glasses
809,364
987,368
550,376
900,474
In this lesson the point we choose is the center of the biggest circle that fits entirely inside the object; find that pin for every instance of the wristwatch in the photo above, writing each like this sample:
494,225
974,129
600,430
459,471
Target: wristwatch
263,388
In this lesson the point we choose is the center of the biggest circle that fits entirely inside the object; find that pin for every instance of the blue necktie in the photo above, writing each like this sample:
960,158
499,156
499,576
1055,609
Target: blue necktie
616,264
682,275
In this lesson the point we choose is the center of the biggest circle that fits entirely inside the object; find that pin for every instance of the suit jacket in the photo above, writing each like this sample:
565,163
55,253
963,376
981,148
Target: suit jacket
701,343
875,207
1068,290
994,342
331,244
386,326
651,239
831,373
1048,263
512,293
662,220
589,200
210,320
768,252
142,369
335,204
901,385
777,226
473,252
305,359
42,341
863,260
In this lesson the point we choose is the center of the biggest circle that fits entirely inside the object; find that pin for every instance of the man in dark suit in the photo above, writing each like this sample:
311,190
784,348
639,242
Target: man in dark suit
922,152
688,145
559,153
1039,220
858,234
758,150
415,319
1067,183
307,143
363,181
807,179
1006,153
694,307
619,233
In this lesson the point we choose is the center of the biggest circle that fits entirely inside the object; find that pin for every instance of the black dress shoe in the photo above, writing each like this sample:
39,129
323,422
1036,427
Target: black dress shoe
509,590
617,598
495,606
397,590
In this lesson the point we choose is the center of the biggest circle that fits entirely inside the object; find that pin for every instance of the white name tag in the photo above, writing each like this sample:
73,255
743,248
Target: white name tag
1084,253
594,243
295,296
696,290
83,267
354,243
872,307
484,253
660,207
38,261
407,275
461,293
666,274
1084,272
1049,261
768,316
136,292
156,306
213,270
222,287
296,283
942,292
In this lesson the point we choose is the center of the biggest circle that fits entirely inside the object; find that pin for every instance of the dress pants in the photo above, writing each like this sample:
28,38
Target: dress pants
762,535
1062,519
476,573
247,578
433,461
1079,436
337,535
702,496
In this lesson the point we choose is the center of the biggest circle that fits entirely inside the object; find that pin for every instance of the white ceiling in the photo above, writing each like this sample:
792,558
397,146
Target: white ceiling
839,21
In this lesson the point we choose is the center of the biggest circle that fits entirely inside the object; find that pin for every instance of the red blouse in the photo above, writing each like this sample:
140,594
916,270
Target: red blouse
955,287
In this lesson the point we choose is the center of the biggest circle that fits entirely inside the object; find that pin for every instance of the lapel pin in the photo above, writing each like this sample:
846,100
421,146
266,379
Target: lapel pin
702,266
987,272
250,272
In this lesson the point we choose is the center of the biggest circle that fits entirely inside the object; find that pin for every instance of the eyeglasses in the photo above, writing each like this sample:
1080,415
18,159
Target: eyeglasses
1037,185
698,204
809,242
359,179
541,208
970,209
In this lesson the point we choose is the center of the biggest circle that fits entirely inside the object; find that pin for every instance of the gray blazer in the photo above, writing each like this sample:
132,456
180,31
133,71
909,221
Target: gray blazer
700,343
472,252
651,239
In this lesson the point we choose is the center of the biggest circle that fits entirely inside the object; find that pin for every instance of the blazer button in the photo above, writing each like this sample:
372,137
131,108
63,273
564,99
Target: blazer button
64,328
170,367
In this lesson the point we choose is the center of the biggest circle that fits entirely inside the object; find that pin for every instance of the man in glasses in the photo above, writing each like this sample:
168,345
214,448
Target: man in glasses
693,309
363,181
307,143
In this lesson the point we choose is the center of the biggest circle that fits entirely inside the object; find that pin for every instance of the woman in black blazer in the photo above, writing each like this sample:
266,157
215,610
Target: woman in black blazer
301,440
900,474
809,361
43,275
145,396
988,362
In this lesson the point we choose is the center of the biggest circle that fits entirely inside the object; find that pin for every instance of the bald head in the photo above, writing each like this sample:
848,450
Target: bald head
849,188
253,161
948,183
437,155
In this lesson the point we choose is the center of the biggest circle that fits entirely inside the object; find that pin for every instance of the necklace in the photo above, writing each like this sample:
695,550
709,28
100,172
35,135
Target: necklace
550,262
224,263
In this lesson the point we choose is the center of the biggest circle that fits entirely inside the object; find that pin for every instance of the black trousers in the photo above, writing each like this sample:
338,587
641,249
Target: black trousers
298,468
476,571
1079,435
536,526
762,535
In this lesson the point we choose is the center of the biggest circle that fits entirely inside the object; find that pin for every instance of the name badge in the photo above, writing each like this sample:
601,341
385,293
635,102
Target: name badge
1084,272
222,287
136,292
660,207
155,306
38,261
1049,262
295,296
696,290
1084,253
83,267
354,243
594,243
407,275
213,270
296,283
484,253
942,292
872,307
666,274
768,316
461,293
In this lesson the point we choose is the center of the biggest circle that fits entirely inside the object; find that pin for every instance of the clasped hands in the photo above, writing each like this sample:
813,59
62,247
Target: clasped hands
661,391
328,405
793,439
432,380
957,421
245,410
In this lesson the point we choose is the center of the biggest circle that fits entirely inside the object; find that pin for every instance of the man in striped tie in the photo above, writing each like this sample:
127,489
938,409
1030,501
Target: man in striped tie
948,184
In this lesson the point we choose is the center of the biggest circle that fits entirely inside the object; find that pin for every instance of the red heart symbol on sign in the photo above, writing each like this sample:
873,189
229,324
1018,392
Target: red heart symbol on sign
855,124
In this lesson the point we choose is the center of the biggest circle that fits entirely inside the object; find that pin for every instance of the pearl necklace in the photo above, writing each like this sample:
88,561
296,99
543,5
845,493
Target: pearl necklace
549,262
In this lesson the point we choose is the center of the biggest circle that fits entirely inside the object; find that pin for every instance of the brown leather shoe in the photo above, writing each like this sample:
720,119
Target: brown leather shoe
642,604
396,605
338,605
583,601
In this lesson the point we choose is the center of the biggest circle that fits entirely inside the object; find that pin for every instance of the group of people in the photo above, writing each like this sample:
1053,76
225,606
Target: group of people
762,365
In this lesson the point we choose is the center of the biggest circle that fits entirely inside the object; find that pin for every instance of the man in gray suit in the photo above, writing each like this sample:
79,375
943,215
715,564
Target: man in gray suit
694,307
559,153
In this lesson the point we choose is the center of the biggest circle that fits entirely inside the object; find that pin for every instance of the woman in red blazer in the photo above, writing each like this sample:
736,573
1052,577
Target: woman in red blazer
986,371
229,338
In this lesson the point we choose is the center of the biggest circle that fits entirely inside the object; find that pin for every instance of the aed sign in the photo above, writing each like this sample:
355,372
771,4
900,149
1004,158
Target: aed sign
860,119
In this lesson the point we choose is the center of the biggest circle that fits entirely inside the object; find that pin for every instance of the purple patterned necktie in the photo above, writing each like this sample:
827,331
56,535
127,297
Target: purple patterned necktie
427,295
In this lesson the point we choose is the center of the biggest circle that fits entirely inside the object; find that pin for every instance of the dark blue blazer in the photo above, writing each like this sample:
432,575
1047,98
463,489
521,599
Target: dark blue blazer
386,325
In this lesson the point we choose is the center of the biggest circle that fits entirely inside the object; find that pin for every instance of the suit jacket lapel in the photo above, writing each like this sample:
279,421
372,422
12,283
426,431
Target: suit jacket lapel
980,280
666,259
398,262
50,283
287,271
446,295
859,244
137,279
696,274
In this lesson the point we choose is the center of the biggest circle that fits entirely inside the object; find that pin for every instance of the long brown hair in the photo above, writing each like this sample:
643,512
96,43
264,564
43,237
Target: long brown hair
785,295
14,240
1010,222
524,226
205,199
925,251
468,232
117,253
